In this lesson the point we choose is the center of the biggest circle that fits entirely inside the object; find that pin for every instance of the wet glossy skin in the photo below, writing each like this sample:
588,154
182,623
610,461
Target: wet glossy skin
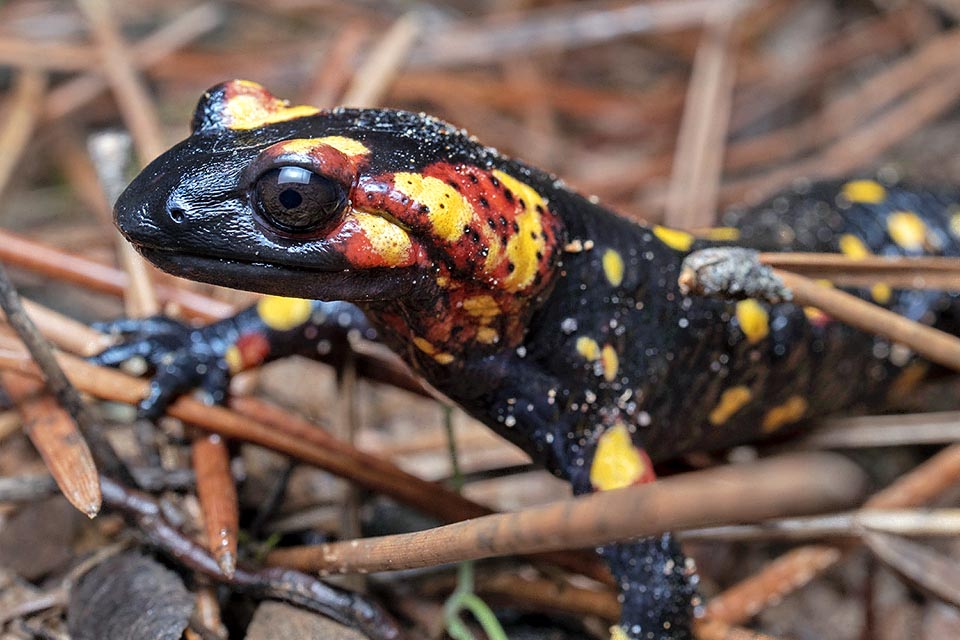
549,318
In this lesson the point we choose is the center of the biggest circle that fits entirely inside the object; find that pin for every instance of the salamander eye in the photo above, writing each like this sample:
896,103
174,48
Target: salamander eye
297,199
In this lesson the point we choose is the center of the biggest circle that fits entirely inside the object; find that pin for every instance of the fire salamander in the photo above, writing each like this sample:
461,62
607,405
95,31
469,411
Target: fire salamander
544,315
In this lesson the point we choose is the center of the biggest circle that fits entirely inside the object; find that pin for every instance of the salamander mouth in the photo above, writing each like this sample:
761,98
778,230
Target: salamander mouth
297,281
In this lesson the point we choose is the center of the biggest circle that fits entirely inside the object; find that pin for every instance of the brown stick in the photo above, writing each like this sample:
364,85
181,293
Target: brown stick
19,125
799,566
900,273
135,105
186,27
933,344
344,461
775,486
698,160
55,436
49,56
218,499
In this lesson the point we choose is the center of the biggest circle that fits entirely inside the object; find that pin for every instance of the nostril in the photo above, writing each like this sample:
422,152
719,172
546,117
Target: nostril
176,214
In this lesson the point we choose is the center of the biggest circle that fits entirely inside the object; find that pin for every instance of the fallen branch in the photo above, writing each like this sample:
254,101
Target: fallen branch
795,483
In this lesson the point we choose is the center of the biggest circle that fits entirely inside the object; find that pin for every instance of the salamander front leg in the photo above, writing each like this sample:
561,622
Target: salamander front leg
657,582
183,357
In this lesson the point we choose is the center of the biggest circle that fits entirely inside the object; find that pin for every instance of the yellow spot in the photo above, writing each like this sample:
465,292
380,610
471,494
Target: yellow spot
790,411
444,358
484,307
488,335
386,239
523,246
234,359
866,191
613,267
853,247
617,462
448,211
250,112
731,401
881,293
588,348
955,225
617,633
753,320
719,234
907,230
610,362
283,314
674,238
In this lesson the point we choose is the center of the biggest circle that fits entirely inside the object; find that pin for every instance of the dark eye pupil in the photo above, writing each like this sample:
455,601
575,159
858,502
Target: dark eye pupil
297,199
290,199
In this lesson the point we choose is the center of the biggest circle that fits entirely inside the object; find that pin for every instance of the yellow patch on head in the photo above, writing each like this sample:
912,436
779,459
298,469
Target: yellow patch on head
283,314
731,401
247,111
865,191
610,362
588,348
346,146
387,240
907,230
753,319
617,462
790,411
881,293
522,246
448,211
674,238
234,359
613,267
483,306
853,247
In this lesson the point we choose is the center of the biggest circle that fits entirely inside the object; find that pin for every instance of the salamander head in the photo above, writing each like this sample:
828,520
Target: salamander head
347,204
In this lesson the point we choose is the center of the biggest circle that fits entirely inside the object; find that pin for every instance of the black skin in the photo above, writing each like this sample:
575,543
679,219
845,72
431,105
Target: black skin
188,212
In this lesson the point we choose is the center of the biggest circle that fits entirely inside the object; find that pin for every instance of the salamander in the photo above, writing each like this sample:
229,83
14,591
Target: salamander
549,318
